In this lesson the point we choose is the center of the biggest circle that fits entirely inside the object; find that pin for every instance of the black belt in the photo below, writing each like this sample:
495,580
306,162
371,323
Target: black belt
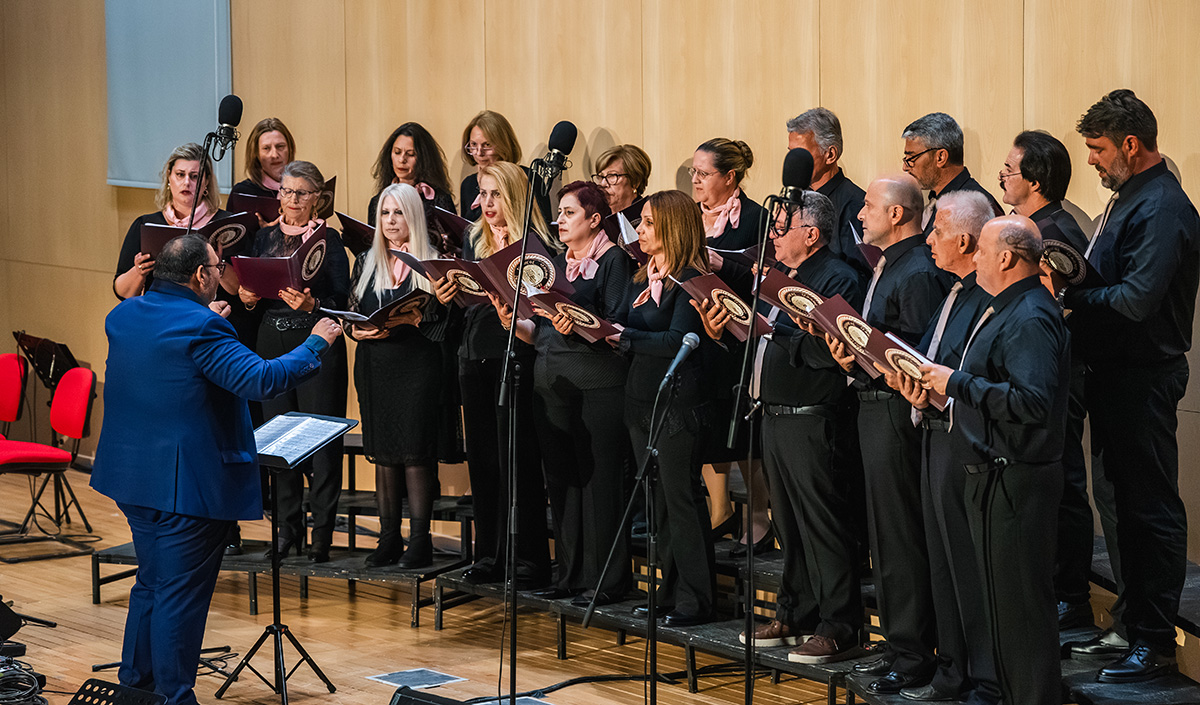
282,323
875,394
823,410
993,464
935,425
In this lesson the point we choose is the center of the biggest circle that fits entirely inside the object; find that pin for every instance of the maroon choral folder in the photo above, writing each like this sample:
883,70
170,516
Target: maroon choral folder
839,319
412,301
265,206
469,277
710,286
906,359
267,276
588,325
228,235
789,295
357,236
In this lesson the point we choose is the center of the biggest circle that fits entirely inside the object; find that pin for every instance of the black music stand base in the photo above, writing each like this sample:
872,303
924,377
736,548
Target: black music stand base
277,632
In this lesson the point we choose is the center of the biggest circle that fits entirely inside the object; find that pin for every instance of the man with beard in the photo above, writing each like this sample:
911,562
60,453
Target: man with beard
933,155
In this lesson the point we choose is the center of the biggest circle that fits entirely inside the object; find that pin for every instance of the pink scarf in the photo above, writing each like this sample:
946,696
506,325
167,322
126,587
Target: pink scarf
655,287
269,183
422,188
305,231
202,216
587,265
400,269
729,212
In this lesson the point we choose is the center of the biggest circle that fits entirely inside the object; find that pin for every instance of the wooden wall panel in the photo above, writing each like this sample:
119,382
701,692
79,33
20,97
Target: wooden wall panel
409,60
887,63
718,69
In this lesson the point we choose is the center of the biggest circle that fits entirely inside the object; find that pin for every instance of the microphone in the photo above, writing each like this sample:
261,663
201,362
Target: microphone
691,341
229,114
797,174
561,142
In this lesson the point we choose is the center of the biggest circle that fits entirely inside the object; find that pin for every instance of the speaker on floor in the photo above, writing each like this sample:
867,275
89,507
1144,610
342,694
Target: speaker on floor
407,696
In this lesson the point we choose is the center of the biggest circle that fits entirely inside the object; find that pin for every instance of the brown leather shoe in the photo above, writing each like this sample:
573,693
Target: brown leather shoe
822,649
773,633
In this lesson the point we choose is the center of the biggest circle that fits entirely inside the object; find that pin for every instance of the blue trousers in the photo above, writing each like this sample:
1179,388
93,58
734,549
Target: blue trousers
178,561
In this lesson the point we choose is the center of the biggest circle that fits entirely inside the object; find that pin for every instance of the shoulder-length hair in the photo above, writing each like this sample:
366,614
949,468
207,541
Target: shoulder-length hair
513,192
680,229
499,134
431,160
194,153
254,170
419,246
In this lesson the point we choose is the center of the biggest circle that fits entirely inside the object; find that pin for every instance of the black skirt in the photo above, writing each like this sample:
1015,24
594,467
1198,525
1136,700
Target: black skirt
399,384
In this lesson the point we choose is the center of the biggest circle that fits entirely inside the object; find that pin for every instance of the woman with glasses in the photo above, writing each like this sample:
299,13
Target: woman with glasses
623,172
285,324
174,199
410,155
269,147
398,375
502,198
489,139
656,315
731,222
579,398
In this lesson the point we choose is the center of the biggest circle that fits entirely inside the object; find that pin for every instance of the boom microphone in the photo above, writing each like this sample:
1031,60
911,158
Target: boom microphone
797,174
229,115
690,342
561,142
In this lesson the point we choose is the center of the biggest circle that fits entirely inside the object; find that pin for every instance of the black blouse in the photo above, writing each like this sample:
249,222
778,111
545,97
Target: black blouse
654,333
331,285
250,188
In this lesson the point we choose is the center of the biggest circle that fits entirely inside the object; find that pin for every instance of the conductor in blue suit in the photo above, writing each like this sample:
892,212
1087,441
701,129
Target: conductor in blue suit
177,452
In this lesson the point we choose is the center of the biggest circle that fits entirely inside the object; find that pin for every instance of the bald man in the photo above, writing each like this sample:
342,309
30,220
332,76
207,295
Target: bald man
1009,416
905,291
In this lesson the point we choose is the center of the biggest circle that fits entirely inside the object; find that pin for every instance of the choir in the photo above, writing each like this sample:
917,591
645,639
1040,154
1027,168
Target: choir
957,482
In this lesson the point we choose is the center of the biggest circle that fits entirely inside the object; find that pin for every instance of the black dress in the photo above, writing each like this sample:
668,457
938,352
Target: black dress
399,380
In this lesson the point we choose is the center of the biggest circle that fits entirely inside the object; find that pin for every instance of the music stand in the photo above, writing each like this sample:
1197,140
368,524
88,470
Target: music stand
283,443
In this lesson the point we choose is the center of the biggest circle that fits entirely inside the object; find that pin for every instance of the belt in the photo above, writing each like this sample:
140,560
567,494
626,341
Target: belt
875,394
282,323
935,425
993,464
823,410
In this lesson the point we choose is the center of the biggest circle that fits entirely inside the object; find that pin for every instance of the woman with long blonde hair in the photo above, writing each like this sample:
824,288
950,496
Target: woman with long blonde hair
397,372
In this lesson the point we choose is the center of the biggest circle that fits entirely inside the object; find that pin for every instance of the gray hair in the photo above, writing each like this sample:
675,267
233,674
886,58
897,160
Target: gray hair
1023,241
967,211
180,258
817,210
825,126
937,131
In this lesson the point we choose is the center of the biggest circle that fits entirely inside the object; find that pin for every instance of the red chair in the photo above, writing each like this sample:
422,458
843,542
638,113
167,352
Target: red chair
13,373
70,416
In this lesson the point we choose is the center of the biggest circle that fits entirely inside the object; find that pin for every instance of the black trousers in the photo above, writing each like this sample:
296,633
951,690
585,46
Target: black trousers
486,429
964,638
323,394
684,541
1012,512
1072,579
585,449
1133,415
819,590
892,467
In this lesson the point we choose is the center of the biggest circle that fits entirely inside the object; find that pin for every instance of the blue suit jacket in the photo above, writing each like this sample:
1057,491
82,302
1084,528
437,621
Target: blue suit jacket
177,435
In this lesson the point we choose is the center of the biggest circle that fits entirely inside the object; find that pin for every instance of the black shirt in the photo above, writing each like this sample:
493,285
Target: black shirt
483,337
1010,395
797,369
654,333
910,291
1148,252
250,188
1057,224
847,199
441,199
434,316
570,358
968,306
468,191
962,182
330,286
750,226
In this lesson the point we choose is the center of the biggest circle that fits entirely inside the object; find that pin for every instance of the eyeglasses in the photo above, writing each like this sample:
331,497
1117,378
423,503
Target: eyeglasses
300,194
611,178
219,266
693,172
1005,174
478,150
911,159
778,231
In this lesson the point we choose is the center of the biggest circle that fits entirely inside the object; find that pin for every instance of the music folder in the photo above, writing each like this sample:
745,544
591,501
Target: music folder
839,319
357,236
1071,264
229,235
871,253
463,272
710,286
325,207
539,270
789,295
267,276
449,228
621,231
749,256
414,300
588,325
291,438
267,207
906,359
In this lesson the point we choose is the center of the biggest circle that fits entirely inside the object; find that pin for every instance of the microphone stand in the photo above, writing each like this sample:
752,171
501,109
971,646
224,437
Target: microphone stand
510,376
752,342
207,148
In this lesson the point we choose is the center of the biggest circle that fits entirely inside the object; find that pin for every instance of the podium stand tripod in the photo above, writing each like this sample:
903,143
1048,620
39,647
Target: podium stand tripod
283,443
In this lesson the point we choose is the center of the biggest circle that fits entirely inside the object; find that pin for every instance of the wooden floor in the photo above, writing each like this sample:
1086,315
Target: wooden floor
349,637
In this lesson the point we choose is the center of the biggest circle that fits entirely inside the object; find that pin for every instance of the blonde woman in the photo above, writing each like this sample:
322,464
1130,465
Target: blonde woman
502,197
398,372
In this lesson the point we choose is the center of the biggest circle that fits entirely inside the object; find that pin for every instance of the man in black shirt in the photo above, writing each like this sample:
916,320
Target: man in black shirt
933,155
1008,415
1133,335
1034,179
820,132
801,388
904,293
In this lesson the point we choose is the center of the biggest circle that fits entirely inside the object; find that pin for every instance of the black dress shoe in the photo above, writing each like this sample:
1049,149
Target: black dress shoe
1108,643
676,618
318,554
878,666
725,528
1141,663
894,682
602,598
419,553
660,610
761,546
554,593
1075,616
927,694
480,575
284,546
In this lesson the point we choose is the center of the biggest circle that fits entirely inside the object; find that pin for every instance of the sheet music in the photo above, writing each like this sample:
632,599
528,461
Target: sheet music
292,437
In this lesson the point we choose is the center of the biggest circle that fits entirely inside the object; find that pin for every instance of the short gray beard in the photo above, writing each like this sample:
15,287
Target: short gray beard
1117,174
